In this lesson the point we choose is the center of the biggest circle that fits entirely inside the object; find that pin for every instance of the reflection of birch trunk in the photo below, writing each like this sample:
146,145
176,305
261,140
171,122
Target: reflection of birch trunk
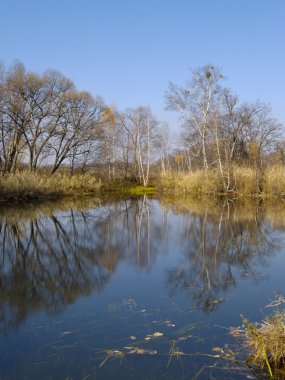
138,227
203,249
219,233
138,232
148,230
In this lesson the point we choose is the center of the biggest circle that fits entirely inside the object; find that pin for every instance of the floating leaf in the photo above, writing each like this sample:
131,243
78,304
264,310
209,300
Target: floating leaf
109,354
157,334
178,353
141,351
236,332
217,349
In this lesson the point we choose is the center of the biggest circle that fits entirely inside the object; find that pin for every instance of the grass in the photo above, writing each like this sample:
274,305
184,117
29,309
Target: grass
274,180
191,183
130,189
245,181
265,341
26,185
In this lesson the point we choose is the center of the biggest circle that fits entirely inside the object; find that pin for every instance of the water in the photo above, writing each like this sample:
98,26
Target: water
134,288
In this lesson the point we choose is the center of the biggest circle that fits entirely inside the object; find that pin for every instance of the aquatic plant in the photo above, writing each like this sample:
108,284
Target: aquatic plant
265,341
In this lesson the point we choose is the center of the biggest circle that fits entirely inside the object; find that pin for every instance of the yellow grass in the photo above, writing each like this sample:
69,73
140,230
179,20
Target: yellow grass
31,185
243,181
266,341
274,180
193,183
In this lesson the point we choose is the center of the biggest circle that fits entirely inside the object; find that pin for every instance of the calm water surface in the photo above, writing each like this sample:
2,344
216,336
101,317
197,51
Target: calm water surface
134,288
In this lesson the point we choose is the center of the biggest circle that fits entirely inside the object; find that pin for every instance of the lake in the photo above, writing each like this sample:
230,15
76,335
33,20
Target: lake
135,288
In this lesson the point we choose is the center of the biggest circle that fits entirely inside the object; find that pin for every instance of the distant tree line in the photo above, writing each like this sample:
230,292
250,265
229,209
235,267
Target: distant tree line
46,122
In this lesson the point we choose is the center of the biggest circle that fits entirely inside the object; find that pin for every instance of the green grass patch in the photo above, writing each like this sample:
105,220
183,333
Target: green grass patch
129,189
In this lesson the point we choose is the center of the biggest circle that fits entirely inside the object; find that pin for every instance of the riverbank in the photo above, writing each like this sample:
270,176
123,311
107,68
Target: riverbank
244,181
26,186
22,186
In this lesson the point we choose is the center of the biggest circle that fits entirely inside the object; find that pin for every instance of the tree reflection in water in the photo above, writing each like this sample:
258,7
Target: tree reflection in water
50,257
54,253
220,241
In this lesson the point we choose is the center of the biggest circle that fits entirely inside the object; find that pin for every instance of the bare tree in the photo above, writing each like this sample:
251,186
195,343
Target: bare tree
140,126
197,102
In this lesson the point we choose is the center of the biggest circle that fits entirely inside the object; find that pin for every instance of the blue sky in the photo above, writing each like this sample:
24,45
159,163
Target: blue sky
128,50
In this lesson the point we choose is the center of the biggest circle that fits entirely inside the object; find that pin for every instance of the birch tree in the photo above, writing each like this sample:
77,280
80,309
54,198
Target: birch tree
197,102
140,125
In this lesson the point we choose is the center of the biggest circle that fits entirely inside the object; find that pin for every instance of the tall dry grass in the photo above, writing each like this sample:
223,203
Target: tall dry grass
243,181
32,185
192,183
274,180
265,341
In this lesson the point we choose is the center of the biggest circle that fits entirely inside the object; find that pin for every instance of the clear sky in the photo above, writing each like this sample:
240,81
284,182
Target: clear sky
128,50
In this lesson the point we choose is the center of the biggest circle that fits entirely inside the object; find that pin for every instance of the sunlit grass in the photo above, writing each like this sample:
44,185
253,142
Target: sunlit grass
244,181
129,189
274,180
265,341
31,185
192,183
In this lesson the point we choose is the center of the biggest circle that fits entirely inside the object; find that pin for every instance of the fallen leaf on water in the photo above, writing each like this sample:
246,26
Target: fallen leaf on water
178,353
141,351
157,334
236,332
217,349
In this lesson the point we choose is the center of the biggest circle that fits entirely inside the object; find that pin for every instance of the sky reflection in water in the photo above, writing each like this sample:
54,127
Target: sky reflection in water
115,288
